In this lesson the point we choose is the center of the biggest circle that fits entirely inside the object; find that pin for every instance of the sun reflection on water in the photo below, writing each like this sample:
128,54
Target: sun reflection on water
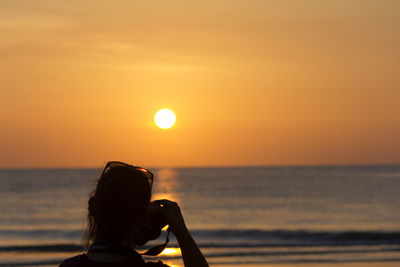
171,252
165,185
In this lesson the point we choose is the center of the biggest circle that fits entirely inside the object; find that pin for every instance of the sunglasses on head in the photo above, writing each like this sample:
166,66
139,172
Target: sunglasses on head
113,164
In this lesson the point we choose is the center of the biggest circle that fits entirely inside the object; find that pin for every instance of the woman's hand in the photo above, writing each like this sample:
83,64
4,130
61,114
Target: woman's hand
173,215
191,253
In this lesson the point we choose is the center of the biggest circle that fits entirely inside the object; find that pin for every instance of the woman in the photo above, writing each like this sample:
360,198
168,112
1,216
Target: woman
120,215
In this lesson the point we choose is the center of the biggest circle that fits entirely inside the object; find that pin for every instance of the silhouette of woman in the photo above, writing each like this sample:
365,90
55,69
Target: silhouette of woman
121,216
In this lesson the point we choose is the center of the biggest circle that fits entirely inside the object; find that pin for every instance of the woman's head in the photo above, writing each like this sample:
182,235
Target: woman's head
118,205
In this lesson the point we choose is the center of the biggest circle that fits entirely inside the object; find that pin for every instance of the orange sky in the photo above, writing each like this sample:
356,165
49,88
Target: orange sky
251,82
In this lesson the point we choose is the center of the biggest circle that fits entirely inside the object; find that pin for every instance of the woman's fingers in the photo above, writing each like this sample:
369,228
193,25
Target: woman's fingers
172,213
161,201
165,202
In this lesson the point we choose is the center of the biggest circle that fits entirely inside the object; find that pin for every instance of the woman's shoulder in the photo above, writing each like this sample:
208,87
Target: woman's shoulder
156,264
78,260
82,260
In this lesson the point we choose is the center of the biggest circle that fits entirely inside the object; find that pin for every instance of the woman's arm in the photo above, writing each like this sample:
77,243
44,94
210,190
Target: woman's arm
191,254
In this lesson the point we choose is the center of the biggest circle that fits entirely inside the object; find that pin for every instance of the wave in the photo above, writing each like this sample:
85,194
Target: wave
289,237
32,233
219,239
300,252
55,248
246,247
230,234
32,263
304,261
263,257
44,248
236,262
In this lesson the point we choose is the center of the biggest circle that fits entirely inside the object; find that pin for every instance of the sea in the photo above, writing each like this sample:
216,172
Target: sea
239,216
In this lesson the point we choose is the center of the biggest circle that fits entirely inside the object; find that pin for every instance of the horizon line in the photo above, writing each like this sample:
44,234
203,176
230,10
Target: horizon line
216,166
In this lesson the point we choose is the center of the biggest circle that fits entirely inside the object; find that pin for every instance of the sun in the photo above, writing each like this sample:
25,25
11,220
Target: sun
165,118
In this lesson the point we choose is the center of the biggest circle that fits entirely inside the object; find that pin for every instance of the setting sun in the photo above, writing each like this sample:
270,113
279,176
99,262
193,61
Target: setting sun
165,118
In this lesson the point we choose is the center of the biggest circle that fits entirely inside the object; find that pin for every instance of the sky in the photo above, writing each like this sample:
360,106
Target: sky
251,82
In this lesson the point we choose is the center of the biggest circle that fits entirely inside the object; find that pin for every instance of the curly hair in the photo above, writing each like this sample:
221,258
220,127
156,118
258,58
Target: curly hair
117,207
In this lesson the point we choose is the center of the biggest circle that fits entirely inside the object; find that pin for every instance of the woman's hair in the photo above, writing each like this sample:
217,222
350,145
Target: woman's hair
117,207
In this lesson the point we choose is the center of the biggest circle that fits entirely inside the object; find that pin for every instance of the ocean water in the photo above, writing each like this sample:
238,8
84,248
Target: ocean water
238,216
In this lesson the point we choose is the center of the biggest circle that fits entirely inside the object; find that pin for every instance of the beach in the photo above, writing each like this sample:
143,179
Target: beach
245,216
